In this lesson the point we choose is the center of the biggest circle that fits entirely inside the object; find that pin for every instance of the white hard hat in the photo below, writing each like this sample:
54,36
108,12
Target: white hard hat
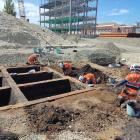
31,71
90,85
135,67
81,78
61,65
123,60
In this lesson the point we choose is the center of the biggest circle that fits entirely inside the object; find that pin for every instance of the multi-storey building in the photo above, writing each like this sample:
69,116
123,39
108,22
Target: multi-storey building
69,16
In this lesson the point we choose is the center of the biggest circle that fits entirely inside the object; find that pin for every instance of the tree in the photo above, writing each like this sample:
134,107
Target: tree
9,7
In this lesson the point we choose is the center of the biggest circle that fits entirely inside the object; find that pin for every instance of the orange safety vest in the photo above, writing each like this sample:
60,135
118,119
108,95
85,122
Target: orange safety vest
67,65
90,76
128,92
32,58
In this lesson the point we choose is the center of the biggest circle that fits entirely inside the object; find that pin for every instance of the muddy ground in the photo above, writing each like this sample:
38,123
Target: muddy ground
90,116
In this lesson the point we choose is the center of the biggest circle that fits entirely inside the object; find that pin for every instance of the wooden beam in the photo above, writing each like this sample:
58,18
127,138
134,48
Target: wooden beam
40,82
47,99
5,87
38,72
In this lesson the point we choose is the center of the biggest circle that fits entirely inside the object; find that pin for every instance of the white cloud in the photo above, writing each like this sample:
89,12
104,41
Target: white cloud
32,11
118,12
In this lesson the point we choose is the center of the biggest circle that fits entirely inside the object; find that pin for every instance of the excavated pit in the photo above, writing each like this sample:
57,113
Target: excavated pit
35,77
23,75
18,85
79,71
23,69
5,97
48,89
1,79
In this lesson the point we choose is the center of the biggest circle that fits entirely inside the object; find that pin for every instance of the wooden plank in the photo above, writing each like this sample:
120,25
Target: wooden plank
40,82
32,77
38,72
5,87
47,99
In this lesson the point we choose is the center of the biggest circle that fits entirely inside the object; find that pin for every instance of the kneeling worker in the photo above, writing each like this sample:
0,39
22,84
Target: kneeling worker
88,78
33,59
66,67
131,85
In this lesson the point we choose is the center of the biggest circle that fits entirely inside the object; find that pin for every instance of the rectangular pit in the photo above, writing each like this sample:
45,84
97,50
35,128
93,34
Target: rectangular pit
5,96
46,89
1,79
23,69
34,77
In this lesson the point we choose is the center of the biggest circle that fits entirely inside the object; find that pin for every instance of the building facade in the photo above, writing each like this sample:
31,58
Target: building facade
137,28
69,16
114,27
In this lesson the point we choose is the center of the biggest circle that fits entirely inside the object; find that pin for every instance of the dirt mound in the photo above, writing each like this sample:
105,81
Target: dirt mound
49,118
20,33
102,54
105,54
109,48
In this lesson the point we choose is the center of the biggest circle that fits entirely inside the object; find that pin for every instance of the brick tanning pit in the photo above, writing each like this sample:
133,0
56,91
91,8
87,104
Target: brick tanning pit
23,69
1,81
28,78
5,96
47,89
20,86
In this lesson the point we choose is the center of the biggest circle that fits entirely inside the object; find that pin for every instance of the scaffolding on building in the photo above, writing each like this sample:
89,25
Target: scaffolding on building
69,16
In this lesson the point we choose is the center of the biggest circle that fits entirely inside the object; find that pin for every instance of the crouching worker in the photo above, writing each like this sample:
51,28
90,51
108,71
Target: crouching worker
33,59
66,67
88,78
131,86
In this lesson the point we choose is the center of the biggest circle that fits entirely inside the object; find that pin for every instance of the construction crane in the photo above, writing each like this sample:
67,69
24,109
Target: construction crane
21,9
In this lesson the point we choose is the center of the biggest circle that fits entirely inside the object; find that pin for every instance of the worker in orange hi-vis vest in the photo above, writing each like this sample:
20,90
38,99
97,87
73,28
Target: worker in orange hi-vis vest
131,84
66,67
33,59
88,78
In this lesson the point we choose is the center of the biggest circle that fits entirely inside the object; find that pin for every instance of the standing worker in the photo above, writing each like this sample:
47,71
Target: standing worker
131,85
33,59
66,67
88,78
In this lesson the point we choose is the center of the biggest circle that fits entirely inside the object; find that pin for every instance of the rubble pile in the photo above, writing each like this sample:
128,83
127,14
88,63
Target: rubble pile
18,33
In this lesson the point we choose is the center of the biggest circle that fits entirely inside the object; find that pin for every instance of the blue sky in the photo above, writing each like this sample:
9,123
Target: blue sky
121,11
